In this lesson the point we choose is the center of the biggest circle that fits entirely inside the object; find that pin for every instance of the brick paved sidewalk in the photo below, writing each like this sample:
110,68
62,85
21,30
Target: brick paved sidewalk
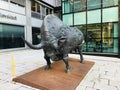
104,75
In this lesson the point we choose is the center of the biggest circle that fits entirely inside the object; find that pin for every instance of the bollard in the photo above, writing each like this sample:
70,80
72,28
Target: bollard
12,66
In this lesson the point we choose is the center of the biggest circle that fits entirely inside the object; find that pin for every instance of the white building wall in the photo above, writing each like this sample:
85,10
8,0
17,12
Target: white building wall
28,33
51,2
12,18
36,22
12,7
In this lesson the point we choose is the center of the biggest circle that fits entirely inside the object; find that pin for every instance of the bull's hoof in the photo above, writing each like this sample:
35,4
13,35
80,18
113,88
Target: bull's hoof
68,71
82,62
47,67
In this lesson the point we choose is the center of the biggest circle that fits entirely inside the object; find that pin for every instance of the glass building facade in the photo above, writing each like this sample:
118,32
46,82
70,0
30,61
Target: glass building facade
99,22
10,36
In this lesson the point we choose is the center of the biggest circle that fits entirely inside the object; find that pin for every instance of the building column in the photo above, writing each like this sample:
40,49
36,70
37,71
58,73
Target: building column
28,32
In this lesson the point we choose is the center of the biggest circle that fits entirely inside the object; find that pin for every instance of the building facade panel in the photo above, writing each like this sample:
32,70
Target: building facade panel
101,28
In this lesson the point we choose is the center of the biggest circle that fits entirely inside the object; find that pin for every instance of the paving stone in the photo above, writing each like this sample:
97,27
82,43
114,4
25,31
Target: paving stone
90,88
102,86
80,87
8,86
105,74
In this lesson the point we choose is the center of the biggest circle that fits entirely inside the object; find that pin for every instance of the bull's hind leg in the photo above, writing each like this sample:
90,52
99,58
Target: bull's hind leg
80,52
48,66
65,59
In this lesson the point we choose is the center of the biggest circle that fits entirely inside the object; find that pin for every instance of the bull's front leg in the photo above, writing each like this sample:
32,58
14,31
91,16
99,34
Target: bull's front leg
65,59
48,66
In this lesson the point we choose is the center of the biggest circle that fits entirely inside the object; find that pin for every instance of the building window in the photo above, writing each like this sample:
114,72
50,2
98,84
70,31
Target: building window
108,3
79,18
93,4
40,11
68,19
110,37
110,14
33,6
19,2
79,5
83,29
48,11
94,16
36,10
68,6
94,38
10,36
98,21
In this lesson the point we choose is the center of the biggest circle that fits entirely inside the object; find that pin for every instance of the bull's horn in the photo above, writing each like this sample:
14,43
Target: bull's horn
39,46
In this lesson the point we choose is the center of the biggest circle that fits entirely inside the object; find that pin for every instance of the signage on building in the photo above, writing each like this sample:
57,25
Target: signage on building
7,16
12,18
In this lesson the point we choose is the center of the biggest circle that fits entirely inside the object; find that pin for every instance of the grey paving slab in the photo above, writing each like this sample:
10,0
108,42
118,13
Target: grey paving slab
104,75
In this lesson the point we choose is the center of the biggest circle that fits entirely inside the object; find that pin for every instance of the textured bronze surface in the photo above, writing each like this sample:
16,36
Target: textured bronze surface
56,78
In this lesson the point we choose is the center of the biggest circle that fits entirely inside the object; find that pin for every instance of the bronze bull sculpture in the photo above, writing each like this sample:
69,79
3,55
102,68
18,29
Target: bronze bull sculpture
57,40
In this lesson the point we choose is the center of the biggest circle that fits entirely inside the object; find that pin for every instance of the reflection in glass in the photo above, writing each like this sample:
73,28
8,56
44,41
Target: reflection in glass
110,14
68,6
110,37
79,5
94,38
33,6
107,3
10,36
68,19
93,4
79,18
83,29
94,16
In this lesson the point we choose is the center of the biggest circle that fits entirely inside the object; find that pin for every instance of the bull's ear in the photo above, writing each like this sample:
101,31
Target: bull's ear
61,40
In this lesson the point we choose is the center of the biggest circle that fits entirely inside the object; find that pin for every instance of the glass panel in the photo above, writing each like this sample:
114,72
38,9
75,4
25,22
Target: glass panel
80,18
94,38
33,6
110,37
110,14
93,4
94,16
79,5
68,6
38,8
11,36
68,19
63,7
83,29
107,3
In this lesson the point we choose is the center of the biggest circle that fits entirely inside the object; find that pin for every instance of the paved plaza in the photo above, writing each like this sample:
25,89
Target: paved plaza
104,75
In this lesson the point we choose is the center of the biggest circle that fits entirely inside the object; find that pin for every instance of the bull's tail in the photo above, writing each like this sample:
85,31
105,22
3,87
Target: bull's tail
39,46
